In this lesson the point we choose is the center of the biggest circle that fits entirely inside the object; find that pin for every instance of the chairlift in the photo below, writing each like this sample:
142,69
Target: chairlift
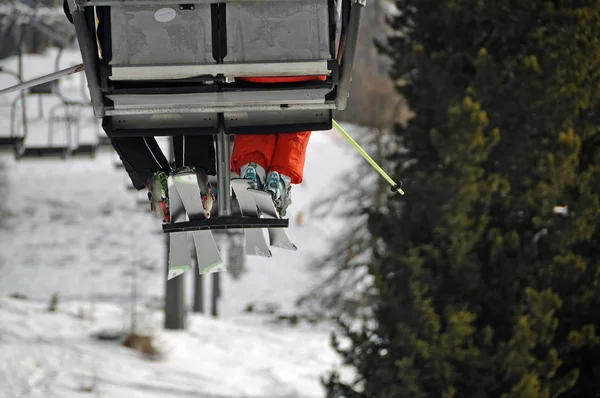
63,120
165,86
72,110
167,68
9,106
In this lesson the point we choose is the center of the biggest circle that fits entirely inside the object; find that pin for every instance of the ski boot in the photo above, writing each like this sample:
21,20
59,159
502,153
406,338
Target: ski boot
158,195
280,188
206,193
255,173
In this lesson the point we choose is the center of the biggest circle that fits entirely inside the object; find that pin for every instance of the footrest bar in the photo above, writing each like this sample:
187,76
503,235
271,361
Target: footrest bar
230,222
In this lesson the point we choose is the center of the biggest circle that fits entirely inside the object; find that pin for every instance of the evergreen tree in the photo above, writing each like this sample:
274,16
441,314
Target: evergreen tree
486,273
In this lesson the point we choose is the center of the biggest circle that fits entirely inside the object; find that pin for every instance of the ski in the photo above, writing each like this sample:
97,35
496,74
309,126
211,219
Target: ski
277,236
256,244
207,252
179,254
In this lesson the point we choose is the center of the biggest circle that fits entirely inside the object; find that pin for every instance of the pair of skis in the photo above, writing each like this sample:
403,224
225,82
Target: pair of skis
184,202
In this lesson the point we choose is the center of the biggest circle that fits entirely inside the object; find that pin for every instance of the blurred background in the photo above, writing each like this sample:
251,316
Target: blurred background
481,281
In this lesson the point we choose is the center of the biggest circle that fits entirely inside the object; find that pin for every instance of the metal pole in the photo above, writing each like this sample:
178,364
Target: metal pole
223,172
349,51
198,292
174,298
198,305
22,93
174,294
88,54
215,294
42,79
224,198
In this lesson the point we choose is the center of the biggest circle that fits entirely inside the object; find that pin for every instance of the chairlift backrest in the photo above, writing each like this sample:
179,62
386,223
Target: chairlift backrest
228,32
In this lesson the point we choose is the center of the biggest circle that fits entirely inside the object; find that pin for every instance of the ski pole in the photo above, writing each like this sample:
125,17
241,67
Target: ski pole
396,187
43,79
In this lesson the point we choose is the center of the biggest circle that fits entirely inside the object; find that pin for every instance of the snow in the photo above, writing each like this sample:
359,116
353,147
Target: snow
562,210
74,228
57,354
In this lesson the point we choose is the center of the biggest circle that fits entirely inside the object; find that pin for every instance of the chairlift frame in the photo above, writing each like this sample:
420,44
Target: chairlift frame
14,138
46,85
318,100
340,66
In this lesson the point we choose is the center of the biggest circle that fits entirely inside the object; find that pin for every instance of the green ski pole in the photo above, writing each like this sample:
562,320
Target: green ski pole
396,187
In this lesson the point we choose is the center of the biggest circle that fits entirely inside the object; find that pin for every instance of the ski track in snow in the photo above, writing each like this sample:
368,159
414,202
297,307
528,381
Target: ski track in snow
73,228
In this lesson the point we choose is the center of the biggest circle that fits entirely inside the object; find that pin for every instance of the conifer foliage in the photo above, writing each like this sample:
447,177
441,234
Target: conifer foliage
486,274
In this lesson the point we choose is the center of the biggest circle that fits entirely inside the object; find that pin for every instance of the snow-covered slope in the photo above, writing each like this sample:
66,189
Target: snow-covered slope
73,228
57,355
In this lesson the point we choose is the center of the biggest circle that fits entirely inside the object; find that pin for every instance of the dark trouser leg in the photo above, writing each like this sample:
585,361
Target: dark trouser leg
195,151
142,157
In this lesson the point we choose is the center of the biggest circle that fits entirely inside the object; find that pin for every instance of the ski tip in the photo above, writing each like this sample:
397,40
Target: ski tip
257,251
216,267
289,246
176,271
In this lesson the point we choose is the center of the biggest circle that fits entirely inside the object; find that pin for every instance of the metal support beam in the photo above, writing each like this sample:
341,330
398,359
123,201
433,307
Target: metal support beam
174,299
223,199
198,290
223,171
88,54
117,3
175,314
216,293
145,109
349,50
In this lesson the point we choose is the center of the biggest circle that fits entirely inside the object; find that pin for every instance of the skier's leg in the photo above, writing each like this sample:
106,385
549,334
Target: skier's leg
142,158
257,148
290,155
287,167
195,151
147,167
198,152
252,155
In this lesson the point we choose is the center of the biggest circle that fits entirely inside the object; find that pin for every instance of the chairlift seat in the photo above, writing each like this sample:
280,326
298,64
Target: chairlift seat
84,150
10,142
42,152
104,141
172,68
17,131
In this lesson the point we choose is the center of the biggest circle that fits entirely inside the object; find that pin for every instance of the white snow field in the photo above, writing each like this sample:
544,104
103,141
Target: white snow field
73,228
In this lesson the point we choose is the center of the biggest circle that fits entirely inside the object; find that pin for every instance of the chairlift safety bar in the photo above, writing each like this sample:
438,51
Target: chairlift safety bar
43,79
117,3
145,110
159,72
89,56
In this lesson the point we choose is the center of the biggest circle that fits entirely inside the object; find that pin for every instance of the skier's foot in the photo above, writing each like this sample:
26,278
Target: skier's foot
255,173
280,187
206,192
158,195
